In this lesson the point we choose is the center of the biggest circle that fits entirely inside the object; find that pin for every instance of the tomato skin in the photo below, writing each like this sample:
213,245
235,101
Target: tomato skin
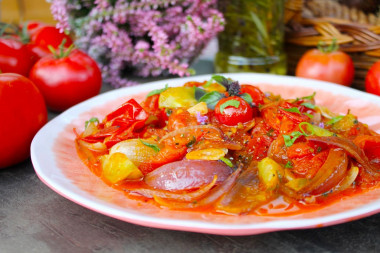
336,67
256,94
14,57
46,35
23,111
372,80
66,81
231,116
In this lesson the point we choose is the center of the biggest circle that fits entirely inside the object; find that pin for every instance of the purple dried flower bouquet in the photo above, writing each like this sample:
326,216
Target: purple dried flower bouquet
146,37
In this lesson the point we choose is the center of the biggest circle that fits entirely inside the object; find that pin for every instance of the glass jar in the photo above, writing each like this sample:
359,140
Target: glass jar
252,40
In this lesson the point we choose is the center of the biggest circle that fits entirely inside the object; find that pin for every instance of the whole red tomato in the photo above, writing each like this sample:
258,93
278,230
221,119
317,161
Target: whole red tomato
68,80
23,113
233,110
14,57
326,65
43,36
372,80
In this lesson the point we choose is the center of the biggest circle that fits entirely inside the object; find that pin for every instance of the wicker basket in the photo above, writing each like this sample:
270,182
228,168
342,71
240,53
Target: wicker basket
311,21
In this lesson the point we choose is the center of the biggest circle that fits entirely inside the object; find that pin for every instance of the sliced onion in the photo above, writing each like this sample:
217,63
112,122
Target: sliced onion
277,150
187,174
245,195
330,174
350,148
209,199
352,174
97,146
135,150
326,112
187,196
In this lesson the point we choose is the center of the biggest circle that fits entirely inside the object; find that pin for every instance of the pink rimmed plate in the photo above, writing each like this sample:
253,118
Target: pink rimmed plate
57,164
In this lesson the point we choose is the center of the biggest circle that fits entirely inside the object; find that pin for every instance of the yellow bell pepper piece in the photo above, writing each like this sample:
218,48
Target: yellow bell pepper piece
214,87
117,167
270,173
201,107
175,97
207,154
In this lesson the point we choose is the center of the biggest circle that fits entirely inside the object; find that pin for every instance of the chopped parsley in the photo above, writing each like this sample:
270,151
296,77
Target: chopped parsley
92,120
334,120
151,145
289,165
308,105
227,161
293,109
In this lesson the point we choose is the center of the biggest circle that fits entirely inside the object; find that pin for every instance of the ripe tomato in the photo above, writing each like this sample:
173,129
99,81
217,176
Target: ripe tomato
49,35
41,36
256,94
372,80
233,110
336,66
66,81
23,113
14,57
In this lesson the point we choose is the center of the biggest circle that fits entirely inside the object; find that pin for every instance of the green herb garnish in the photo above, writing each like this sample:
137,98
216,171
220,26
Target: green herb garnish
159,91
334,120
247,98
308,105
290,139
151,145
289,165
231,102
227,161
211,99
293,109
310,97
92,120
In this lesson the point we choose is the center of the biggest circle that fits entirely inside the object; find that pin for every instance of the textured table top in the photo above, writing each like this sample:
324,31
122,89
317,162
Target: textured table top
33,218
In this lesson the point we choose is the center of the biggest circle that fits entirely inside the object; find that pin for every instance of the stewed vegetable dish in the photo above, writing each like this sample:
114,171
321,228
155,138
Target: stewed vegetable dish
224,147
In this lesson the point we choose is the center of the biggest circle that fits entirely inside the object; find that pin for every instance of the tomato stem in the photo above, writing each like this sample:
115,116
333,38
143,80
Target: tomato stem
62,52
334,46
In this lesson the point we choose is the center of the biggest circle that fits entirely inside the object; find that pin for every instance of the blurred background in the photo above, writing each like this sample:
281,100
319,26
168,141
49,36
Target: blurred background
16,11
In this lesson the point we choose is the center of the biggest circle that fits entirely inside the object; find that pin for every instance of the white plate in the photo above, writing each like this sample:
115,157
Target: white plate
58,166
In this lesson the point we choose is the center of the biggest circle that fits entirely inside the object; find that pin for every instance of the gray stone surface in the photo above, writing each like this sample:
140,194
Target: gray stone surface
33,218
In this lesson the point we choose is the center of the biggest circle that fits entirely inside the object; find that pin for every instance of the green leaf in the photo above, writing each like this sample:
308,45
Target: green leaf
309,115
247,98
290,139
199,93
293,109
220,79
289,165
231,102
310,97
211,99
334,120
92,120
151,145
227,161
308,105
159,91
